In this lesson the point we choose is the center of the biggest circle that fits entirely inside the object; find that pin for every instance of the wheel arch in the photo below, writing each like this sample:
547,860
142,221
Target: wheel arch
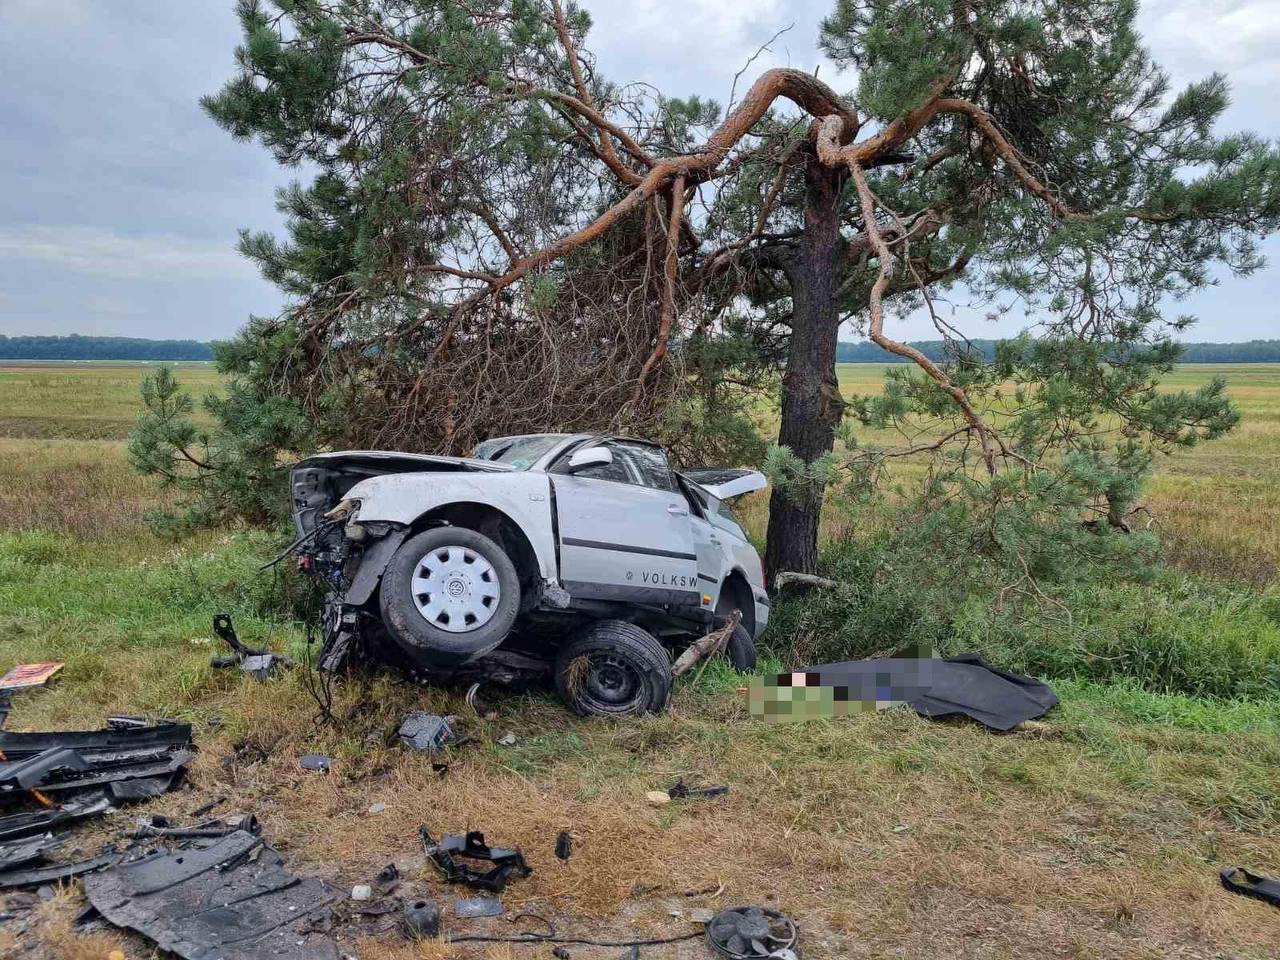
736,593
494,523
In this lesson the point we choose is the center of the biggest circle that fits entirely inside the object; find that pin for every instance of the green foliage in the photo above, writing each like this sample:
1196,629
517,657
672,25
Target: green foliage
1084,619
231,472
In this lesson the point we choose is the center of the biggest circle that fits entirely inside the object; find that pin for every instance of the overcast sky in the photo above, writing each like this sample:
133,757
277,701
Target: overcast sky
120,200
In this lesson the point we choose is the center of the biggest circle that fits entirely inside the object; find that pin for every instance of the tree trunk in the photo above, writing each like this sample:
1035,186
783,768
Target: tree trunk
811,403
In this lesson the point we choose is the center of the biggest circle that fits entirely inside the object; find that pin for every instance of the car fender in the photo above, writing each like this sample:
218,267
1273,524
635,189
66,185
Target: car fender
403,498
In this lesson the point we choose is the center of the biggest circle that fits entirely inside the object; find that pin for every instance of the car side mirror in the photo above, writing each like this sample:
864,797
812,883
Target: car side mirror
589,457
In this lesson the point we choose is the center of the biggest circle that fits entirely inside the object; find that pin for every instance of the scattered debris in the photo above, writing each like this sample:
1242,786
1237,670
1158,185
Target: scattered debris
658,797
560,953
1248,884
702,915
388,879
682,791
748,933
27,676
259,664
315,761
451,849
508,739
362,892
564,845
932,686
376,808
427,732
55,873
473,907
421,918
262,910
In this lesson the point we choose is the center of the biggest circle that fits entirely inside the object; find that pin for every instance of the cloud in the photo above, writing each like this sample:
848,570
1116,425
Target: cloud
95,250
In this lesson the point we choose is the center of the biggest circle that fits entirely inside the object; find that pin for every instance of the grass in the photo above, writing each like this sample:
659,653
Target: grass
1095,834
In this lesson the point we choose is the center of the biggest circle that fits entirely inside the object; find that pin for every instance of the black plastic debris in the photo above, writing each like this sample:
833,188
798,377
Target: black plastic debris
259,664
682,791
388,879
452,852
58,872
564,845
1248,884
18,853
470,908
25,824
421,918
232,899
426,731
753,933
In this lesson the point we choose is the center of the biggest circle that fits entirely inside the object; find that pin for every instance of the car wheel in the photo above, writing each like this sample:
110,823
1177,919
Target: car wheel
614,668
449,595
741,650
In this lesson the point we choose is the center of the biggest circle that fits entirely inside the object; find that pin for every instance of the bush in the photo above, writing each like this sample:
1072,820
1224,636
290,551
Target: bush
1168,632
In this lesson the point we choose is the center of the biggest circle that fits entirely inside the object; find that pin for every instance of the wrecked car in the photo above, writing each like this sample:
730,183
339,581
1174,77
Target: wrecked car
587,556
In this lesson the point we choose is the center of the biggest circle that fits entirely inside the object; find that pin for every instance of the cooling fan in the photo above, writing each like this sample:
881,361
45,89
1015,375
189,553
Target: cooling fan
753,933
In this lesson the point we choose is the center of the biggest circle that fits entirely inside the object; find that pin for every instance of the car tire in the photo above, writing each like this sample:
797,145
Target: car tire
449,595
614,668
741,649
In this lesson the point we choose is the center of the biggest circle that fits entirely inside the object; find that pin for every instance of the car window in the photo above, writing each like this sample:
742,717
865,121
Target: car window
616,471
719,513
520,452
649,463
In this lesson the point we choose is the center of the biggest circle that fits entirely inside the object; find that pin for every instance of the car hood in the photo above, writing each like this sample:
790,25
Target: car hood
393,461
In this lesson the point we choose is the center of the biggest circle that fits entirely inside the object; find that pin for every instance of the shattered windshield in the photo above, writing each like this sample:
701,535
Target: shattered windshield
520,452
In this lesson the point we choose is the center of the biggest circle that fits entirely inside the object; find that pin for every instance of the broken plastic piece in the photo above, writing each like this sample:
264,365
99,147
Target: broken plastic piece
470,907
315,761
1247,884
752,933
422,918
564,845
388,879
681,790
426,731
264,911
452,849
53,873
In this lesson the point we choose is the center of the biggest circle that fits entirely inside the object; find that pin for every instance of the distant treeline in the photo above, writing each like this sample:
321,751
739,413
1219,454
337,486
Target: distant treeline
131,348
101,348
1251,351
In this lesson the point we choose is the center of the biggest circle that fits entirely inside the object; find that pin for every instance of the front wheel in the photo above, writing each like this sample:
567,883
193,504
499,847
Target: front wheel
449,595
614,668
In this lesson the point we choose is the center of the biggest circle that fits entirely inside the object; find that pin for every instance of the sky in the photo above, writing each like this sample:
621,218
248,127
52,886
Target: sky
120,200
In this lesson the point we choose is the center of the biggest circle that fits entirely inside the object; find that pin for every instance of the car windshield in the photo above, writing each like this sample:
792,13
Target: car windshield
520,452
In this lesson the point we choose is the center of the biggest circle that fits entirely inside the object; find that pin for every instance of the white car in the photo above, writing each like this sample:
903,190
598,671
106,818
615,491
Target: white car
585,553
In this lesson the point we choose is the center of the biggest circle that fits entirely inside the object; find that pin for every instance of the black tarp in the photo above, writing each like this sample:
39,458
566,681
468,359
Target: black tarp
934,687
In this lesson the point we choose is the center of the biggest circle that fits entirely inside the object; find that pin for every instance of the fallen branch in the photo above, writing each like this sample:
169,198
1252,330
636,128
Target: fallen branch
713,643
787,578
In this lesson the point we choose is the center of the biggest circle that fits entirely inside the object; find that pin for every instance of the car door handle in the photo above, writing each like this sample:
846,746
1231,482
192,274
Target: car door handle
677,511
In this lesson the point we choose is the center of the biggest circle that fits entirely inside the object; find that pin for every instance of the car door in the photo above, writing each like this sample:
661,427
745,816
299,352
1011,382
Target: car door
625,530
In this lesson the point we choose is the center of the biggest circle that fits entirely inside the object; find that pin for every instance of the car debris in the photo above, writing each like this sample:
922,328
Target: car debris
421,918
28,676
1249,884
451,851
508,739
470,908
682,791
753,933
316,762
541,554
258,909
388,879
564,845
362,892
58,872
932,686
259,664
427,732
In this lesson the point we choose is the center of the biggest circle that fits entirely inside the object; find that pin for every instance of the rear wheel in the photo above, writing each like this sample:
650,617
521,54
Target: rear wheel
741,649
614,668
449,595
